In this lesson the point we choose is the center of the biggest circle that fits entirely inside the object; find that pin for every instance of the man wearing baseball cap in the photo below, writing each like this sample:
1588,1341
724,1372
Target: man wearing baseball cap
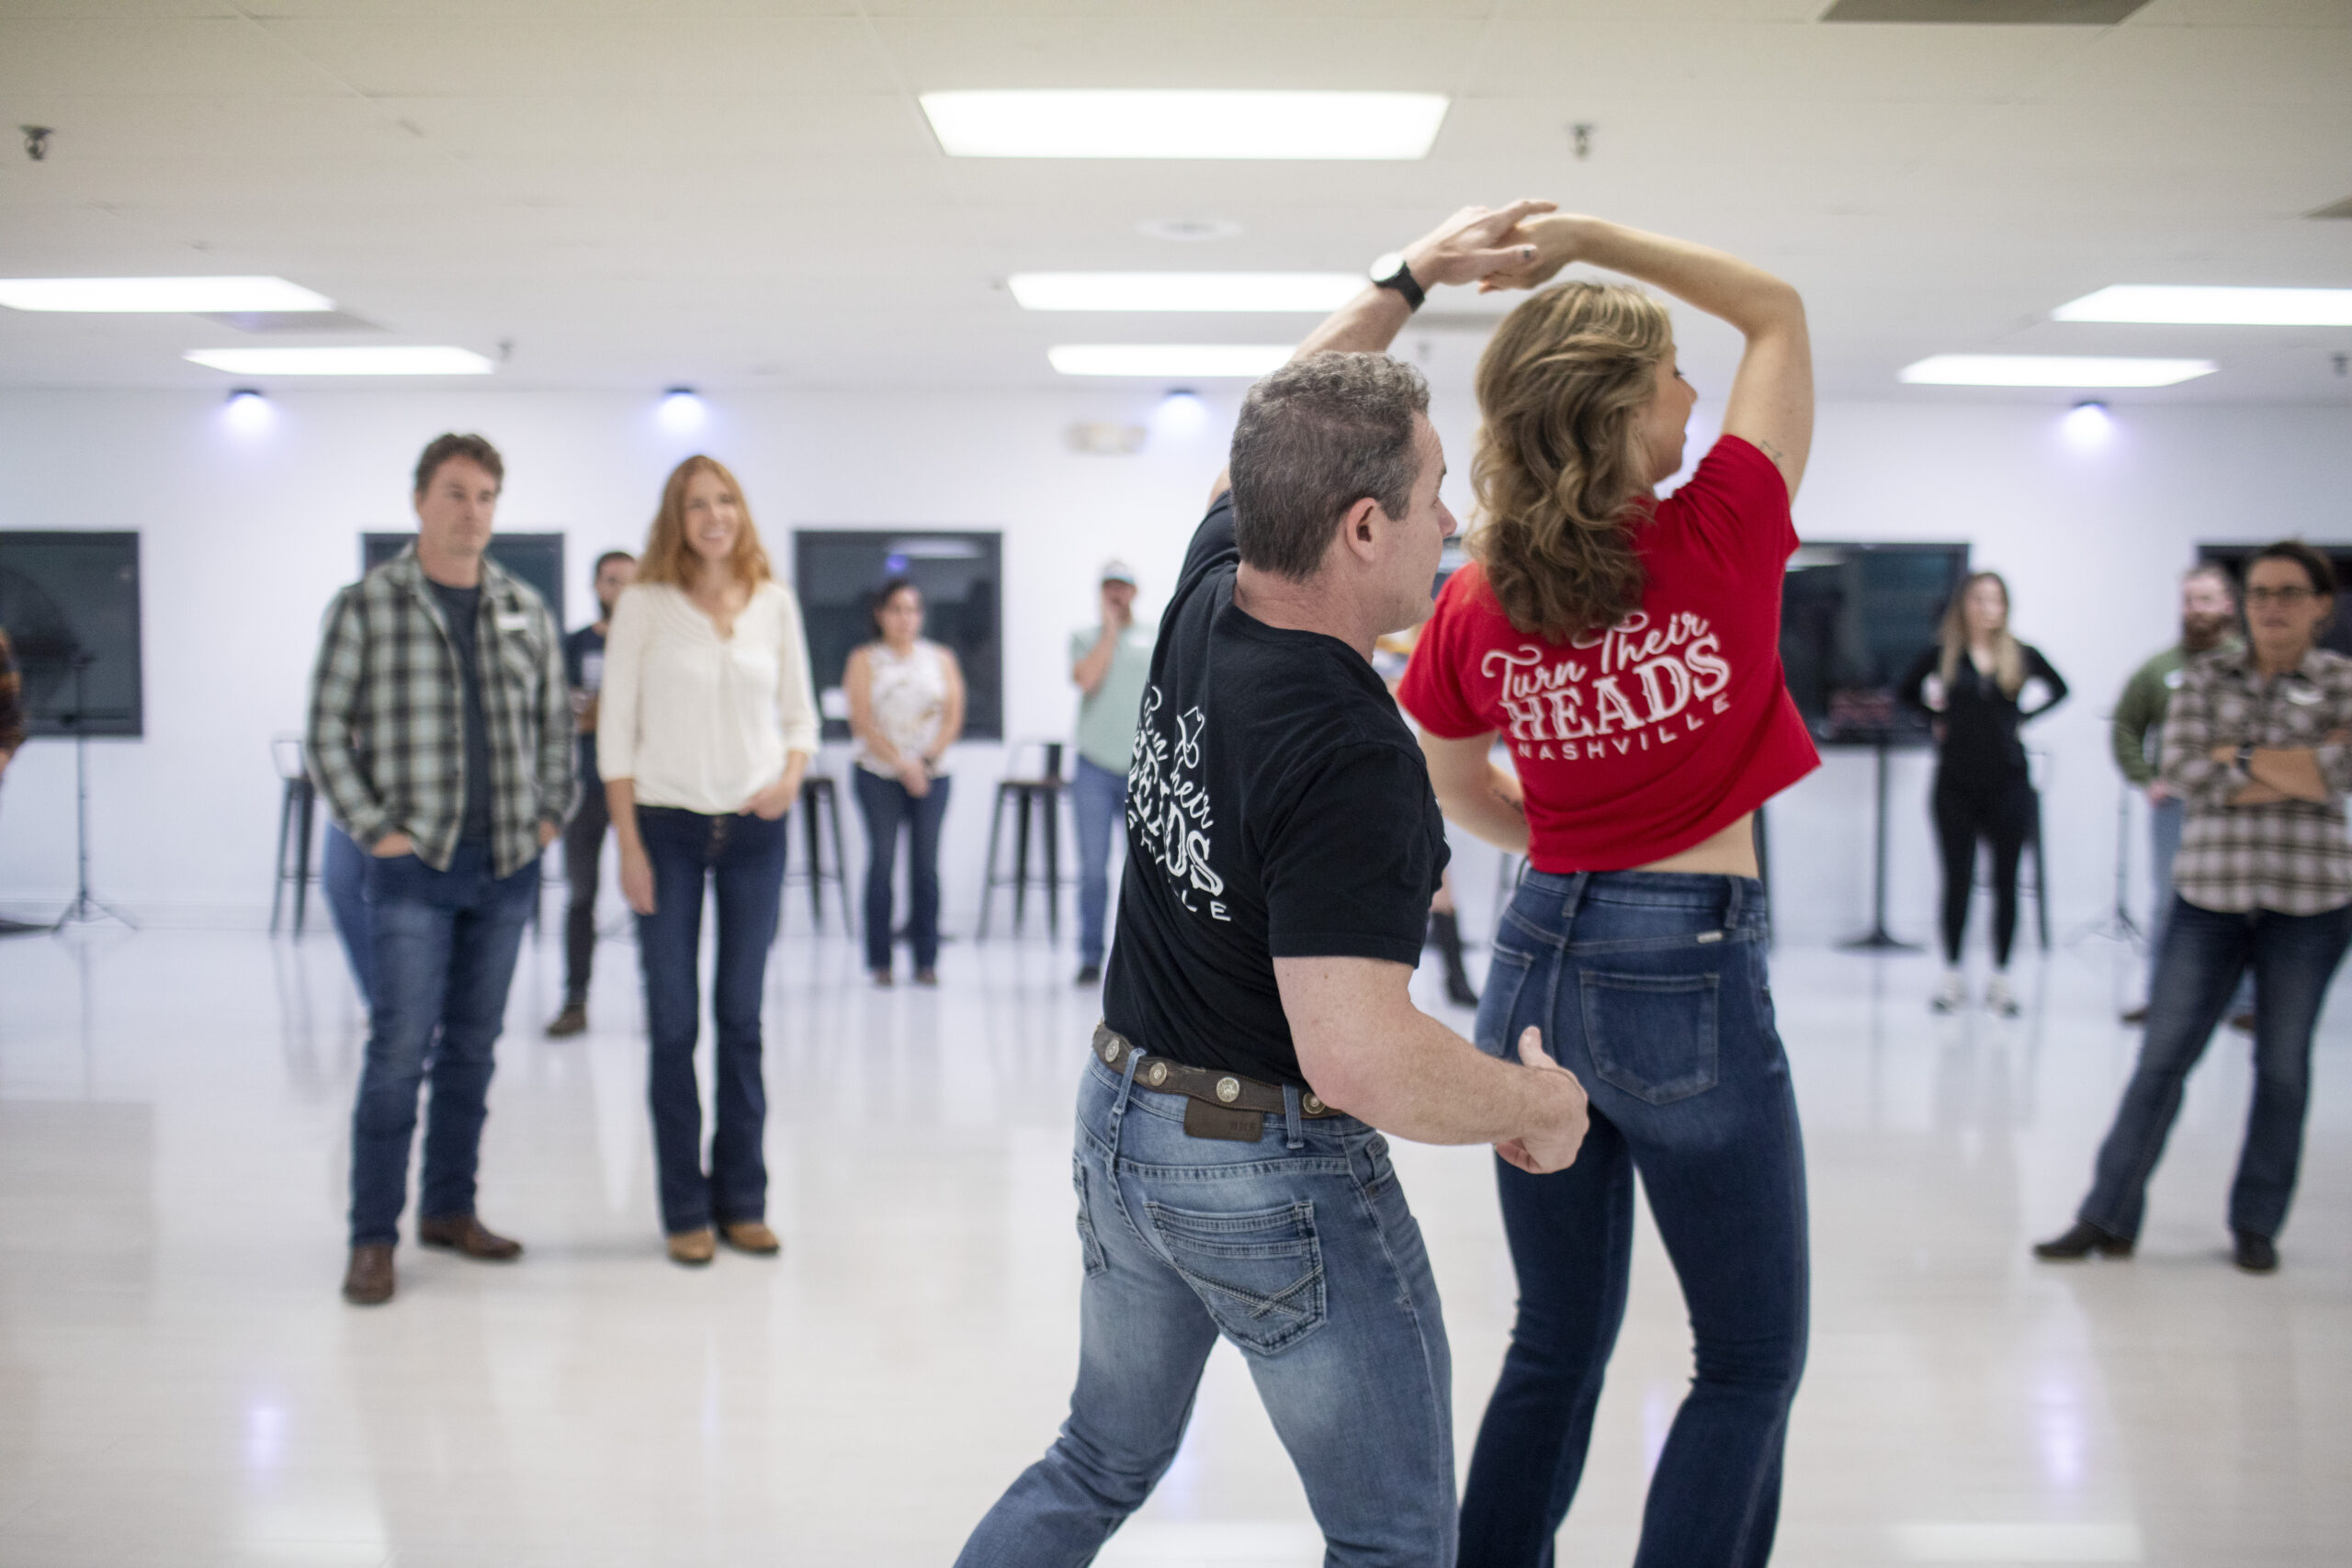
1110,661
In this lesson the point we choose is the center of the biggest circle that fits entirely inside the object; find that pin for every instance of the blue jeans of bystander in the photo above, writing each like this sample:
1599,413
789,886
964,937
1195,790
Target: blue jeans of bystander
444,943
1097,800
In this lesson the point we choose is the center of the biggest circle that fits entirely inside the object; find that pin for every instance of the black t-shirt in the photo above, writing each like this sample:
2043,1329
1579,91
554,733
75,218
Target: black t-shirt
1277,808
583,667
461,608
1980,746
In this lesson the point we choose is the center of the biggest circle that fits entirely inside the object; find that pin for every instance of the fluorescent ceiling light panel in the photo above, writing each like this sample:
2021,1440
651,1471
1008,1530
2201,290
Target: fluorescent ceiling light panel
2222,307
1058,123
2050,370
186,295
1202,361
370,361
1307,293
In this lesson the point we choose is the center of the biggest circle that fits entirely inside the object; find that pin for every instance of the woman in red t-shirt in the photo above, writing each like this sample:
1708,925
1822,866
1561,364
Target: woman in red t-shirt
1626,651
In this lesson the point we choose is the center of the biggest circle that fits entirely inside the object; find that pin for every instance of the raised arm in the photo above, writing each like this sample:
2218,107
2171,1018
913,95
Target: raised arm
1474,244
1475,792
1771,395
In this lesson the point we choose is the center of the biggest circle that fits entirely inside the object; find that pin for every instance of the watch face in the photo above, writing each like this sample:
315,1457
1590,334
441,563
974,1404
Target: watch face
1387,265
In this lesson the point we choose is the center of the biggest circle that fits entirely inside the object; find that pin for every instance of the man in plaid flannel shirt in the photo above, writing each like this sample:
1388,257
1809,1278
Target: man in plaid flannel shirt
2259,742
440,734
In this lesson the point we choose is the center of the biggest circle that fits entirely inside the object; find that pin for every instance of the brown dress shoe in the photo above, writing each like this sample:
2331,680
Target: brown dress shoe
369,1281
693,1248
465,1233
572,1020
751,1236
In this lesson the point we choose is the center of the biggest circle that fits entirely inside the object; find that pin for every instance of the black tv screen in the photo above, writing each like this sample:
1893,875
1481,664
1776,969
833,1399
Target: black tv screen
537,559
836,570
1853,616
69,601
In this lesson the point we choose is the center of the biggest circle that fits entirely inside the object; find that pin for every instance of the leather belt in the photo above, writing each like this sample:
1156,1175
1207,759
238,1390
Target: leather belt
1224,1105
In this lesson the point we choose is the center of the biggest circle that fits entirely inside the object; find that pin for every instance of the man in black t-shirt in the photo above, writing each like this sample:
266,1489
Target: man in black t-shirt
1282,845
583,836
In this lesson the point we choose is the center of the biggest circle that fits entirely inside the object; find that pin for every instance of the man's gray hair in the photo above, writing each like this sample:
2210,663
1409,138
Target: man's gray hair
1315,437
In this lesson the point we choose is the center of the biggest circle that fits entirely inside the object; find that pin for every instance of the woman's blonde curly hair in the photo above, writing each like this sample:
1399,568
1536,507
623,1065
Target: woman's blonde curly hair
1560,458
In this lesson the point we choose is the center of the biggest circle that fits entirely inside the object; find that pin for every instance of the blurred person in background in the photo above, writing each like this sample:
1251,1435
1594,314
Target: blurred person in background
1972,686
706,724
583,838
1109,663
2209,613
906,708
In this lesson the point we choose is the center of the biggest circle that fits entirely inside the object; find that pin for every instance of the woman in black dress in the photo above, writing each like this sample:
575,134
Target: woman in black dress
1970,685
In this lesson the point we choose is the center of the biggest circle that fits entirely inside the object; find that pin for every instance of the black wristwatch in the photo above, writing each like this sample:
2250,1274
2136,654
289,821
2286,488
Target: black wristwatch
2245,759
1390,272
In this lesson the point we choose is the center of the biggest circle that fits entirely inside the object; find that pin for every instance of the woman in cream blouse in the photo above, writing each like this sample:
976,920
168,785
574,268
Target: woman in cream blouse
706,723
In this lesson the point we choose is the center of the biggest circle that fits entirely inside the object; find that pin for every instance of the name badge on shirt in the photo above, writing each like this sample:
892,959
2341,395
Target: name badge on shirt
513,621
2173,682
2304,696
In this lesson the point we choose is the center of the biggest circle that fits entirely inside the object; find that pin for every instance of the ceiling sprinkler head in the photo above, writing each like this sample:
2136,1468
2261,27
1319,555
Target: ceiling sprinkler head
36,142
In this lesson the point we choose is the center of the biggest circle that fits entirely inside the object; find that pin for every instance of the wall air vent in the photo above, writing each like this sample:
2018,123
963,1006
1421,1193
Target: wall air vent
1986,13
2336,210
294,322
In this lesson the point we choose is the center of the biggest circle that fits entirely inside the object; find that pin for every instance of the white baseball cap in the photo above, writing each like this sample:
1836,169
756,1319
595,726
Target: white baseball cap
1118,571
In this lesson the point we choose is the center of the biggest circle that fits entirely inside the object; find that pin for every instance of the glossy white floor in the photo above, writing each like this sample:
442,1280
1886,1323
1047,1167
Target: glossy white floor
179,1382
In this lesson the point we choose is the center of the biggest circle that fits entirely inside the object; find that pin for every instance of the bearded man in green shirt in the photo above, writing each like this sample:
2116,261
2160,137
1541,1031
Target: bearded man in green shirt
2208,613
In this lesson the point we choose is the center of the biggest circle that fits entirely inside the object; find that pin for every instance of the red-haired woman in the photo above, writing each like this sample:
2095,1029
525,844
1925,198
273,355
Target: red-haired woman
706,724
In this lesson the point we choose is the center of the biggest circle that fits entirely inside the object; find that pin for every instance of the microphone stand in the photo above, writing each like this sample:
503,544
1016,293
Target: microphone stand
86,907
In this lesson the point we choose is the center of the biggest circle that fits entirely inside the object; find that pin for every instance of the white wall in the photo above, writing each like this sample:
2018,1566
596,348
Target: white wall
246,535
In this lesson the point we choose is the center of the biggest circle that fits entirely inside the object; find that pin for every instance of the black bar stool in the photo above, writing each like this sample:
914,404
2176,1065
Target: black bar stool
296,814
820,796
1041,791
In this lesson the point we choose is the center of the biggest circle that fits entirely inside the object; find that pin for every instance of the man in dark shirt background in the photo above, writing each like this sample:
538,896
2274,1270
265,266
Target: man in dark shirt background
1283,846
583,838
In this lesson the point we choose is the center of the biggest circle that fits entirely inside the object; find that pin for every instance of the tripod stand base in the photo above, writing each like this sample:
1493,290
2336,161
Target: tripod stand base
20,928
1879,940
87,910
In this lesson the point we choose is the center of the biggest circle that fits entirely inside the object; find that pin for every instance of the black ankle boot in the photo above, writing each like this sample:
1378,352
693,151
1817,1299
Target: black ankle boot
1447,931
2081,1241
2254,1254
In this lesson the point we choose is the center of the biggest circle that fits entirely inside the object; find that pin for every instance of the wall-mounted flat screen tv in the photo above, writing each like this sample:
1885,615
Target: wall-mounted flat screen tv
1853,616
836,570
69,601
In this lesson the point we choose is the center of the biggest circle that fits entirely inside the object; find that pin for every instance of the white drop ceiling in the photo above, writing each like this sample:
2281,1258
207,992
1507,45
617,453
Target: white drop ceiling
742,193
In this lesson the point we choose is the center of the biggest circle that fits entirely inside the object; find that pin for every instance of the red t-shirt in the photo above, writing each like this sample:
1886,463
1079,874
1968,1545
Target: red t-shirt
1637,743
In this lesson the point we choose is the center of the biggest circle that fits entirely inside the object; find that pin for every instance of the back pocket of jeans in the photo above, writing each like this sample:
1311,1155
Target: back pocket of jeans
1652,1035
1259,1274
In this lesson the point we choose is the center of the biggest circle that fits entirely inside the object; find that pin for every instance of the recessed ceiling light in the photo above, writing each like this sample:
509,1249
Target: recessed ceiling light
2198,305
1308,293
372,361
2050,370
1061,123
187,296
1202,361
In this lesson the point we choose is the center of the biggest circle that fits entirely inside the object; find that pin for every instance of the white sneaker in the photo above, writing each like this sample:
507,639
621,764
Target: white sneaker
1999,998
1949,997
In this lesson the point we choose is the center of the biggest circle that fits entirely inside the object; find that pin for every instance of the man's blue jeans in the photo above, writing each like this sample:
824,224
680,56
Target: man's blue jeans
444,944
1650,986
2164,821
1298,1249
2291,957
1098,799
741,858
343,875
885,803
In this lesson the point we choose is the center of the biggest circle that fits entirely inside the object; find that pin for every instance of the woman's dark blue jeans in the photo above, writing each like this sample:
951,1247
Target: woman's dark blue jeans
1650,986
2292,958
741,858
885,803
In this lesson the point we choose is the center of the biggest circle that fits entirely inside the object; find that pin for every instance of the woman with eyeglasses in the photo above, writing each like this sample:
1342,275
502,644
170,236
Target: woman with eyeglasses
2255,742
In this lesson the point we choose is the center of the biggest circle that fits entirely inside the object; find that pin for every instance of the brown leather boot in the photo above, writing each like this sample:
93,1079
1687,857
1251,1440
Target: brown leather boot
693,1248
751,1236
572,1020
467,1234
369,1281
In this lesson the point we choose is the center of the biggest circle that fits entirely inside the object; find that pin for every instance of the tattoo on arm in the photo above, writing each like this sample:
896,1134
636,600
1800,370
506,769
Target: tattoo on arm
1779,458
